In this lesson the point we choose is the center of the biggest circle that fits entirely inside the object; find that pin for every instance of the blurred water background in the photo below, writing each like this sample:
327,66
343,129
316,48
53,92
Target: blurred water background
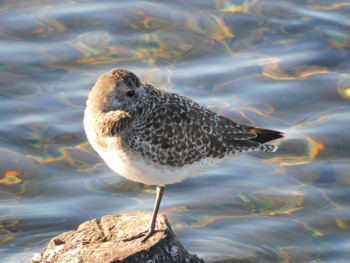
276,64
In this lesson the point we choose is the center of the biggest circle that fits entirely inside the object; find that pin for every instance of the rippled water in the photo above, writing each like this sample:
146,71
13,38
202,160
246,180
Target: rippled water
277,64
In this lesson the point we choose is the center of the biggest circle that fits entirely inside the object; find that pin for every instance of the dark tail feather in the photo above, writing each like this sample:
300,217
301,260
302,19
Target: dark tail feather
265,135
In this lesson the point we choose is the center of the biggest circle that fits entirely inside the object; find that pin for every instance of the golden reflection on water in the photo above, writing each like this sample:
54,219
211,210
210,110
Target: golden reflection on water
257,107
307,150
211,26
150,22
96,48
344,87
227,7
303,148
206,24
247,110
275,71
161,46
69,156
92,43
15,169
7,230
235,8
345,93
48,26
274,202
100,47
343,223
10,178
77,156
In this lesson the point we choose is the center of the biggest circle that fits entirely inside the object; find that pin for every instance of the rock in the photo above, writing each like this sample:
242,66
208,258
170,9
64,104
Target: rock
102,241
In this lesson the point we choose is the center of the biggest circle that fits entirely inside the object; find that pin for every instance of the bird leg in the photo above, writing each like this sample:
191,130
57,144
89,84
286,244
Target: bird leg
148,233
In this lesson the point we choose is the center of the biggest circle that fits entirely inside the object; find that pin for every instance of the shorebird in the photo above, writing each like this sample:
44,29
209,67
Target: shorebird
156,137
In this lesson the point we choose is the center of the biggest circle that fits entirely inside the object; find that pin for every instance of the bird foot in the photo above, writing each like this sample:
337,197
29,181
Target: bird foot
146,234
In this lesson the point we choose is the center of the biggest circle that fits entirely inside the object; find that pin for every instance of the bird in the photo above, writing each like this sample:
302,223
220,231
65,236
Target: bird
158,138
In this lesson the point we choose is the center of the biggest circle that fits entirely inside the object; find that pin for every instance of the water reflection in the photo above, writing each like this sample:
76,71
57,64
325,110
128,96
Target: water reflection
282,65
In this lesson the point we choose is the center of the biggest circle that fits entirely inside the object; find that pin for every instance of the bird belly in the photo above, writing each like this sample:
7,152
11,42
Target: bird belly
135,167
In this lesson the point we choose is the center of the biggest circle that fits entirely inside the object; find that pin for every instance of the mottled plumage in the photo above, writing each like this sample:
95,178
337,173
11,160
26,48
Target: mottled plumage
156,137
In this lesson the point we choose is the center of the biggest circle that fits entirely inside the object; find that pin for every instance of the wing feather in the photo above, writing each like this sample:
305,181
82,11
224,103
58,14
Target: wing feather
184,132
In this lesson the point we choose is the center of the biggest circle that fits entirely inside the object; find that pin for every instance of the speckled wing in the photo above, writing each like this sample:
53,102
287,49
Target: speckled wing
177,131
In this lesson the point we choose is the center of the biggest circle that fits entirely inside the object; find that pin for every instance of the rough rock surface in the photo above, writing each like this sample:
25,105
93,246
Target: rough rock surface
102,241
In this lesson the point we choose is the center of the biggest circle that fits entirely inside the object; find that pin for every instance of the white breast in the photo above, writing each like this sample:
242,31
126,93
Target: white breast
136,168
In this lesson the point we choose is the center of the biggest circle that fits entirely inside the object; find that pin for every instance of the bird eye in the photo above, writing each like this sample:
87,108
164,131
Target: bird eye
130,93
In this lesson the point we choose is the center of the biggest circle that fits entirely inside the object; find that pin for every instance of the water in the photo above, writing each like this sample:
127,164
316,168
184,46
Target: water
276,64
